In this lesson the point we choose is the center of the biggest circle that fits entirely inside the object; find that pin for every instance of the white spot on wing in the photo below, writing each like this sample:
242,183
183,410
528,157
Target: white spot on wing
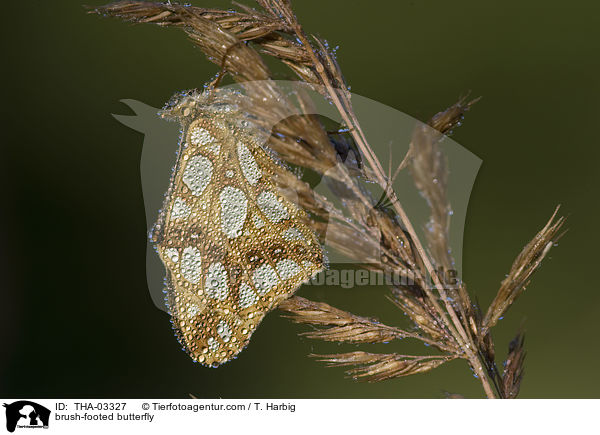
292,234
191,264
247,296
180,209
287,268
271,207
172,254
193,310
202,137
265,278
213,345
224,331
216,284
197,174
249,166
234,208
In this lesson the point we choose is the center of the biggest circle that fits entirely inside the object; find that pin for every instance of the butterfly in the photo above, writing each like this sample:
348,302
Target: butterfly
232,245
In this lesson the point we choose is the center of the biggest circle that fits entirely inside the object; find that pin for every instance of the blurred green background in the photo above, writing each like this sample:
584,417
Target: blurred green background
76,319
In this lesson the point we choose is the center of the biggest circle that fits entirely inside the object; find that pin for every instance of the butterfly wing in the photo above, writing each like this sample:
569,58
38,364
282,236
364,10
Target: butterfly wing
232,245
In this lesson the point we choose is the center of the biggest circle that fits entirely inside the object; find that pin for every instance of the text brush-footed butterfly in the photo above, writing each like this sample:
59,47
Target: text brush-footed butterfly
233,246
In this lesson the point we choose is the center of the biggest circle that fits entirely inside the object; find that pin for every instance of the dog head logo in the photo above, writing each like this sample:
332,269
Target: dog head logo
26,414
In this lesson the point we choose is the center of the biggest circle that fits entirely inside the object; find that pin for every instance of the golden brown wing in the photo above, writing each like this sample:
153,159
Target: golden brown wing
232,245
